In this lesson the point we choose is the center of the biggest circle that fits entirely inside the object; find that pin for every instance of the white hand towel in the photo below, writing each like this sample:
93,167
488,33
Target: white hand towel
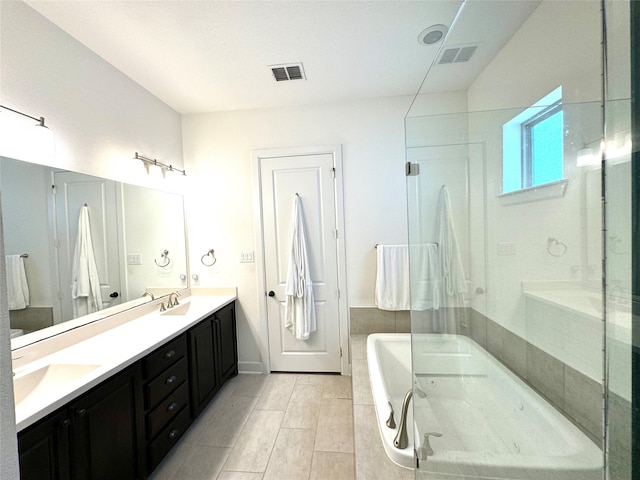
85,287
300,308
426,280
392,277
17,287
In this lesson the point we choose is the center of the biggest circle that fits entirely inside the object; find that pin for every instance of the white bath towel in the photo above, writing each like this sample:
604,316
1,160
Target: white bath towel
392,277
17,287
300,308
453,280
426,279
85,287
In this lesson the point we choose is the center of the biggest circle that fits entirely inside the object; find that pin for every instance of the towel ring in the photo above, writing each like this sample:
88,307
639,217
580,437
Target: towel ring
213,256
559,248
165,255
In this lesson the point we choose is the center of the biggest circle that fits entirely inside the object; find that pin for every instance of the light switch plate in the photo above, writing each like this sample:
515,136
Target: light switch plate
246,257
134,259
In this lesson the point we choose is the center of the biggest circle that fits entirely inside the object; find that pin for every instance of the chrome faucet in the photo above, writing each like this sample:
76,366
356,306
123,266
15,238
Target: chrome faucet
175,302
426,450
148,294
402,439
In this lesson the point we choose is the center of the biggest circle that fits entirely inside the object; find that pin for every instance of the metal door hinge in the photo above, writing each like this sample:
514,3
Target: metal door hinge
340,351
411,169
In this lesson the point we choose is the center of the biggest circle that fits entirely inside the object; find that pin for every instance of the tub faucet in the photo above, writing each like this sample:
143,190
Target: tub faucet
402,439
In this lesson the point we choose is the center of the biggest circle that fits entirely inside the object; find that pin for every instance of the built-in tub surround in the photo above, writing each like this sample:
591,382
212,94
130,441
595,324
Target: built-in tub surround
479,418
50,373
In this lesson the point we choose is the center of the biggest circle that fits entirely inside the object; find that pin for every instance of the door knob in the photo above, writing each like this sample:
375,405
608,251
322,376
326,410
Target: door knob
114,295
272,293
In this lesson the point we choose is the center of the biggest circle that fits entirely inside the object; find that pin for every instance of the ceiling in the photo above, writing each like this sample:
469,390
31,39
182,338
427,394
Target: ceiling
204,56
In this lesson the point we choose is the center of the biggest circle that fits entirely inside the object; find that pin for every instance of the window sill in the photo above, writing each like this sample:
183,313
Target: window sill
534,194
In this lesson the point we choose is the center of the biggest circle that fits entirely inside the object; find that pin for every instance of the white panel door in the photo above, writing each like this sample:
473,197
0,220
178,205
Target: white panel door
73,190
312,178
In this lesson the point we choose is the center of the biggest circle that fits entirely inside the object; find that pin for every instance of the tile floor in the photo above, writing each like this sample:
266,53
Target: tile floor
266,427
287,426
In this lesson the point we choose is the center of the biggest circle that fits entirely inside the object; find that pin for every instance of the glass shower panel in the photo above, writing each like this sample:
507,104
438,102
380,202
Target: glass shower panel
618,241
508,328
512,366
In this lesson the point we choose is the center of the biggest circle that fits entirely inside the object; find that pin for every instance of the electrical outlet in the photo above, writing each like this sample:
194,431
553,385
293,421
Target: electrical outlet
506,248
246,257
134,259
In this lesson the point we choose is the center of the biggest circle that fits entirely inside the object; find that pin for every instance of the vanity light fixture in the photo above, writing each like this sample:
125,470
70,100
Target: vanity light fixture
154,162
40,120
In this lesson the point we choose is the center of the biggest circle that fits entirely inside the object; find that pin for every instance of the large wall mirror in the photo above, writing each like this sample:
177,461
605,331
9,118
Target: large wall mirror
54,219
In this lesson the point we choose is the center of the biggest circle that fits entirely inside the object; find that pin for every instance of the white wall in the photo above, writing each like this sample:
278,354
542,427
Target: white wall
558,45
25,188
99,117
221,206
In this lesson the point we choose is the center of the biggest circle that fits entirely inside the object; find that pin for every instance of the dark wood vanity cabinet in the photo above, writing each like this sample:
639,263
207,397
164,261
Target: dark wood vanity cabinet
227,345
44,449
166,399
96,437
213,356
124,427
106,430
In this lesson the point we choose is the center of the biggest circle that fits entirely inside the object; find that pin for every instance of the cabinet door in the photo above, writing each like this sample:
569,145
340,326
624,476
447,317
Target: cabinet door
44,449
203,379
227,344
107,434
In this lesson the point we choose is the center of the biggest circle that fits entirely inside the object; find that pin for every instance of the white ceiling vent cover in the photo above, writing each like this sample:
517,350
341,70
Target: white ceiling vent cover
457,54
290,71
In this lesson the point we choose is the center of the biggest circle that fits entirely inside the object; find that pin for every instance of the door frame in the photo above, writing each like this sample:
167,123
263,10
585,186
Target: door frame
257,156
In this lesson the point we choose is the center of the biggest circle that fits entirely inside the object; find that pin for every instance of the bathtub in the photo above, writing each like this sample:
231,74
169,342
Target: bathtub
491,423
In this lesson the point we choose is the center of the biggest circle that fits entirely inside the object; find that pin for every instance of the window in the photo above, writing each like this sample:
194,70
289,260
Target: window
533,146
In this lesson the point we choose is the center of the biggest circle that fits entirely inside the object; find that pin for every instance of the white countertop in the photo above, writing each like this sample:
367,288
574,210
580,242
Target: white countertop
111,352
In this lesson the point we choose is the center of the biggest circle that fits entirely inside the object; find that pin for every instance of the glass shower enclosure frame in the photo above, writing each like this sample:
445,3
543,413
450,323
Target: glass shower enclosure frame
521,300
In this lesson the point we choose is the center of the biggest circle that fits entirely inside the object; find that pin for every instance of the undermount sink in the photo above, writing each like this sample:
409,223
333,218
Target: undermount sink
179,310
47,378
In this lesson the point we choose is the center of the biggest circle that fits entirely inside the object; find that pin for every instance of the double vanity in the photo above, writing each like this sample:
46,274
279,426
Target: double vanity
110,399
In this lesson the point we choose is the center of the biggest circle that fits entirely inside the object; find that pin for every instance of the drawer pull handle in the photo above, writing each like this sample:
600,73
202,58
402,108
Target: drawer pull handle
66,422
172,406
171,379
173,433
170,354
81,412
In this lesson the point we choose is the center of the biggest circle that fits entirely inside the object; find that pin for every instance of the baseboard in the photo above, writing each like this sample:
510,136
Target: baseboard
250,367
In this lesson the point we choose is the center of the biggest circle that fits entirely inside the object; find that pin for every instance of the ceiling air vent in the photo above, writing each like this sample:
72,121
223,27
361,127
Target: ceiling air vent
293,71
457,54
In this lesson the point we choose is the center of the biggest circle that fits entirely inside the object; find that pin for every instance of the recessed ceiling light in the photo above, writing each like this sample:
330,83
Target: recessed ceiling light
432,34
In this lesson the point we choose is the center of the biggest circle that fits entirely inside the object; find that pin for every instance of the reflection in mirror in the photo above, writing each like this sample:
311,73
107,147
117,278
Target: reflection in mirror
134,242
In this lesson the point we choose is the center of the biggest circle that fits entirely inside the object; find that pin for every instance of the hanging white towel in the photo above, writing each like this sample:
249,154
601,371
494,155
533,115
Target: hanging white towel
453,280
85,287
392,277
300,311
17,287
426,279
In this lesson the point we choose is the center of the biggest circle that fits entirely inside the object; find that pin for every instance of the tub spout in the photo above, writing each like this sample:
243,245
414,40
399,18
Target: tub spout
402,439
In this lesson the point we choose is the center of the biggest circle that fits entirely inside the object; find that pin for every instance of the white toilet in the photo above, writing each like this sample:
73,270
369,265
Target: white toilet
16,332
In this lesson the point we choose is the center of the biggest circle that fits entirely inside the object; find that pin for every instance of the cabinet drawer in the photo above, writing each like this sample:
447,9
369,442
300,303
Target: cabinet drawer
168,409
167,438
166,355
165,383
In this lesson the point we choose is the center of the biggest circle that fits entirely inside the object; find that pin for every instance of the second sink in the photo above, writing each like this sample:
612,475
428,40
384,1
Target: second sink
47,378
